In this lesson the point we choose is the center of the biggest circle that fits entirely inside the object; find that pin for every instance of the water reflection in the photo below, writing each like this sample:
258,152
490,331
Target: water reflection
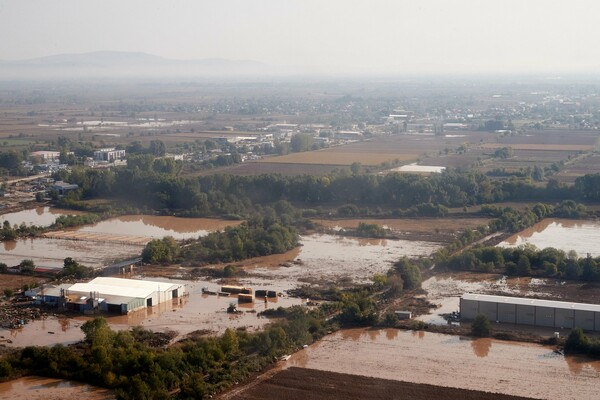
391,334
481,347
10,245
563,234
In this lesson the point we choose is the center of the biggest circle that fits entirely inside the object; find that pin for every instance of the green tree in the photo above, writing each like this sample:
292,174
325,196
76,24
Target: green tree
481,326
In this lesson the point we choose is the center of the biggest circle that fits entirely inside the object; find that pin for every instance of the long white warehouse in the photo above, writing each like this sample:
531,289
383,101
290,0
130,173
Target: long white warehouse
519,310
114,294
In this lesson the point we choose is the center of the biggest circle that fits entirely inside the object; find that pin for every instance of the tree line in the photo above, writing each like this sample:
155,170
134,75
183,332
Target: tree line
159,187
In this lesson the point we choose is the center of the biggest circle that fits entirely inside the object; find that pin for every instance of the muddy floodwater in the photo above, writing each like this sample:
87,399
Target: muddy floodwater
444,290
332,258
520,369
39,388
48,252
156,227
40,216
198,311
563,234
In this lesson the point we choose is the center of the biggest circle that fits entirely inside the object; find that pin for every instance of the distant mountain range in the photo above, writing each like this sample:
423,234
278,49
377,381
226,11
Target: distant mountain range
115,64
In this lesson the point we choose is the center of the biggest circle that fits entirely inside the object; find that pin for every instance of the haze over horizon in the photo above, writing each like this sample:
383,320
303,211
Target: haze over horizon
308,36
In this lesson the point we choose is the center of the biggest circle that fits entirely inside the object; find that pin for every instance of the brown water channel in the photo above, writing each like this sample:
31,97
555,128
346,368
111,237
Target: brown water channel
484,364
563,234
185,315
39,388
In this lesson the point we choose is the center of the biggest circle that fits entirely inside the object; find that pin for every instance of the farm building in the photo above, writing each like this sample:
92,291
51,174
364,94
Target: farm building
112,295
518,310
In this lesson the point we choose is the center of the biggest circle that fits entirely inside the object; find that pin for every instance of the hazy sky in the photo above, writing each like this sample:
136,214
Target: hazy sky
366,36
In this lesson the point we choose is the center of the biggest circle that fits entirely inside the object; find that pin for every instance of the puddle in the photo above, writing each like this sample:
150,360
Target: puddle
519,369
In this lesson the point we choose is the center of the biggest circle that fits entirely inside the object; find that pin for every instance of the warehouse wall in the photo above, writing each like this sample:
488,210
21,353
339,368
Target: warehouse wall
525,315
530,315
507,313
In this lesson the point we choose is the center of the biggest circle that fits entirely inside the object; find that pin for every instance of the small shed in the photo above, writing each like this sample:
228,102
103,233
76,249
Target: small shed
403,314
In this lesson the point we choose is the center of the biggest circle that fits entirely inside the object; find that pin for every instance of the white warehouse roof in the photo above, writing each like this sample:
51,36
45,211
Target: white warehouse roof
123,287
532,302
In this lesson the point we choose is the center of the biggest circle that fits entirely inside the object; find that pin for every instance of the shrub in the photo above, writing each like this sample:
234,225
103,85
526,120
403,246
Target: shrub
481,326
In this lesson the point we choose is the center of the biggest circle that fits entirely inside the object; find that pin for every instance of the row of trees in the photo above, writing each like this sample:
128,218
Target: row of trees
157,187
527,261
195,367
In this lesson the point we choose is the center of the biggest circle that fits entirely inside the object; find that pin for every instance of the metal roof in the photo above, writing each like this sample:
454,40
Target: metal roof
532,302
123,287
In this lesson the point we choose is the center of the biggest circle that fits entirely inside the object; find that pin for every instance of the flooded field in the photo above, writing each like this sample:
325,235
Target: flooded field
101,243
188,314
434,229
40,216
157,227
47,252
563,234
333,258
445,290
39,388
518,369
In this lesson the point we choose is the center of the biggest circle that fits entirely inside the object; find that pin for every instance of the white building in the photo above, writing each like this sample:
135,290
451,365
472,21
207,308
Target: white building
125,295
109,154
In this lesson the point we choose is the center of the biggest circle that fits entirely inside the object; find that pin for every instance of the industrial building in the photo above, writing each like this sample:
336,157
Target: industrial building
115,295
535,312
109,154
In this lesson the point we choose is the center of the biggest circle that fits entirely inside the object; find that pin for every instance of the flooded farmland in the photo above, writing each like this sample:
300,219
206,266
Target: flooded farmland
157,227
40,216
563,234
197,311
39,388
333,258
48,252
101,243
519,369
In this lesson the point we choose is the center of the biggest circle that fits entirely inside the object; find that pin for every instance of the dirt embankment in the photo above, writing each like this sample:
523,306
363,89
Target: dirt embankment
307,384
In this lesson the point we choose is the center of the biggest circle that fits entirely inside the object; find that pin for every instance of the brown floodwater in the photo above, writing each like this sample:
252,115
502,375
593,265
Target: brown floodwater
323,258
198,311
156,227
40,216
39,388
519,369
445,290
49,252
401,225
563,234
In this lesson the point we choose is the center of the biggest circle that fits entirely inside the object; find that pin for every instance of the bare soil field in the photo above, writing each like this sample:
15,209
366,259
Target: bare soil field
11,281
580,167
540,146
405,148
307,384
258,168
552,136
334,156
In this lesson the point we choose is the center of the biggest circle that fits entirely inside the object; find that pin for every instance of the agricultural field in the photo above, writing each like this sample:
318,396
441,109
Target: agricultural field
259,168
389,148
580,167
302,383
